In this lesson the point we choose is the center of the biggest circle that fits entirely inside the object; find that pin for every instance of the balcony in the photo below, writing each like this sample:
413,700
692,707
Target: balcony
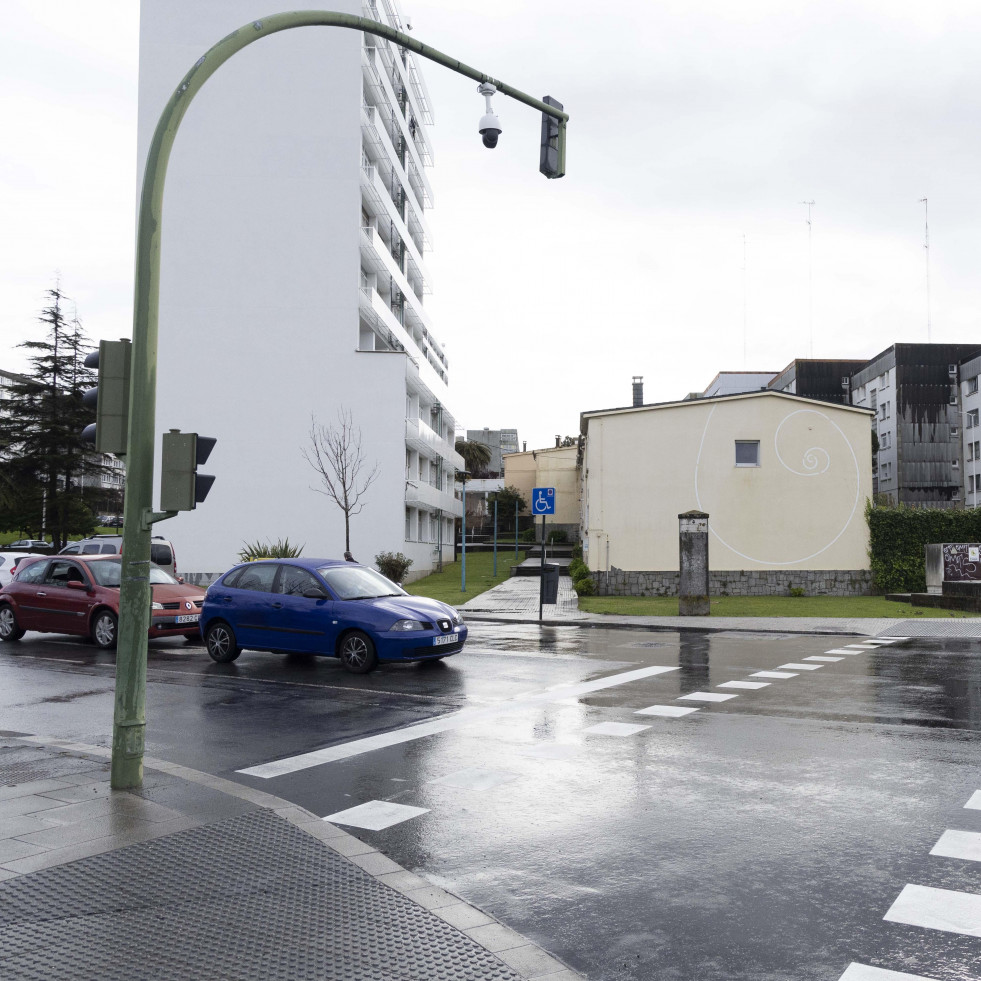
419,494
374,189
422,439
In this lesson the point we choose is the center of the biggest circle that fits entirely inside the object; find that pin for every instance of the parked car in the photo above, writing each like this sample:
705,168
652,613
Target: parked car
161,551
80,595
33,544
325,606
7,562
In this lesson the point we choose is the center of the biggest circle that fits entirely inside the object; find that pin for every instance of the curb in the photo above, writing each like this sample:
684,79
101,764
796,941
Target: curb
526,959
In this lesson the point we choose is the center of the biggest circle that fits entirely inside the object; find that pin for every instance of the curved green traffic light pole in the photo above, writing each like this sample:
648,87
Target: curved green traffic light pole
129,721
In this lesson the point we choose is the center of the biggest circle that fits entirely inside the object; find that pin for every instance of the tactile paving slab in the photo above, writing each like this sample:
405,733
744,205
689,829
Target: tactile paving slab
22,764
249,898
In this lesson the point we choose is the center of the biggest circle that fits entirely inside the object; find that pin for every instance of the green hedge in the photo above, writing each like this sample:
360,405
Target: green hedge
897,536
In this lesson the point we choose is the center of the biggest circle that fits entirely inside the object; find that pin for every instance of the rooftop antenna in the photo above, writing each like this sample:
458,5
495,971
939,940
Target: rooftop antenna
810,281
926,249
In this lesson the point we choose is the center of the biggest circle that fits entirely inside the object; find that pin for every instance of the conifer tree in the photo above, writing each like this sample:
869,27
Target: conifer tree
43,461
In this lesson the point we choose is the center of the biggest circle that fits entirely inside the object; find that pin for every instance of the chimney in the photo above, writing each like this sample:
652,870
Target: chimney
558,440
524,446
638,390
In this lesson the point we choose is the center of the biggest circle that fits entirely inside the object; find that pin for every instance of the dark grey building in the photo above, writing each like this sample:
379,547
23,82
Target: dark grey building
826,381
915,393
499,441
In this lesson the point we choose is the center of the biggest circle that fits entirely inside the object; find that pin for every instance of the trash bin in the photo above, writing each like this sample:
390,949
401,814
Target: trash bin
550,584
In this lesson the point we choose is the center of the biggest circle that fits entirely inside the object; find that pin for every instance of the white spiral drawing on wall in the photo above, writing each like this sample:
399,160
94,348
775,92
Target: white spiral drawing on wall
814,461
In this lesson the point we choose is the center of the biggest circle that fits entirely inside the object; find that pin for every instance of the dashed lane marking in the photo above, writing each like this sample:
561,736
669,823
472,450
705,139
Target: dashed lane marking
375,815
842,650
773,674
959,844
938,909
799,667
749,685
862,972
821,657
975,801
706,696
455,720
668,711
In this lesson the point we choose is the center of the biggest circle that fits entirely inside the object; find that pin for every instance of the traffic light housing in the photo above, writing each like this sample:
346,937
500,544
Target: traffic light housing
110,398
182,488
551,162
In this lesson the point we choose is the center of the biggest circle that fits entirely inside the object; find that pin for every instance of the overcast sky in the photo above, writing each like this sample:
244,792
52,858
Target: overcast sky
675,247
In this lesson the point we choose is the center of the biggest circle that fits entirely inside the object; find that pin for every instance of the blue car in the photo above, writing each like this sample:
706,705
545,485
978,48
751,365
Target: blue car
325,606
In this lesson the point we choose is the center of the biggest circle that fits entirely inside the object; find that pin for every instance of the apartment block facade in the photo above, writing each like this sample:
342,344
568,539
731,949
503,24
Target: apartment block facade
293,277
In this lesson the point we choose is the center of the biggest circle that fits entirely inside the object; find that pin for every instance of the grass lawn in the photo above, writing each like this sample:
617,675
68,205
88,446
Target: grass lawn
445,585
767,606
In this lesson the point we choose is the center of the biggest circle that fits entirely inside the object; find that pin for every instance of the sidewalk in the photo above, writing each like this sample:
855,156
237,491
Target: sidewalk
516,600
194,876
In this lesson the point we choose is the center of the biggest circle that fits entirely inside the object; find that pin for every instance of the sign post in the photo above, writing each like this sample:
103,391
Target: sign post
542,502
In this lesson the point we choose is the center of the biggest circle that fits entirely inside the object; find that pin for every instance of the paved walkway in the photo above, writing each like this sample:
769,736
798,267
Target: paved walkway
516,600
199,877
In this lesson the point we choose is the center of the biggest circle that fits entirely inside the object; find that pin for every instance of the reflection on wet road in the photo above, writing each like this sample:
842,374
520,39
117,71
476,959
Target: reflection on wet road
642,804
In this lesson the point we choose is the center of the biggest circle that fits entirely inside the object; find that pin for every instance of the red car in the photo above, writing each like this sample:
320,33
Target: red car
80,595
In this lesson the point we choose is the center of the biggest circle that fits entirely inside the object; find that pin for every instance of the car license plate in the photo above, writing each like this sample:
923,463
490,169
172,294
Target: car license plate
189,618
444,639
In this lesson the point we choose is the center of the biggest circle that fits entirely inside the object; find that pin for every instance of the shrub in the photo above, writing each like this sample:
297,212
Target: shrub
578,569
797,591
558,536
393,565
577,551
584,586
253,551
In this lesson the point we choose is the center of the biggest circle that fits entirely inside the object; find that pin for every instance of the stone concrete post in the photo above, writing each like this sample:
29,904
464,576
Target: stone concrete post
693,555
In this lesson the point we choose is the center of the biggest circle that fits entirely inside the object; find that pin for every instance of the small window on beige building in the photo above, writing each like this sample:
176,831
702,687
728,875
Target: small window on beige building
747,452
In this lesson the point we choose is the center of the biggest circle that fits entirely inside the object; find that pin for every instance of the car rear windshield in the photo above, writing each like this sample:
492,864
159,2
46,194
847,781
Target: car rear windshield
108,574
356,582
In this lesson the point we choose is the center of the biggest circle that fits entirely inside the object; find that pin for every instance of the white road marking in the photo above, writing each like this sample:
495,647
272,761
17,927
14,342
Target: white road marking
669,711
751,685
706,696
938,909
376,815
800,667
820,657
975,801
959,844
889,639
445,723
863,647
773,674
842,650
476,778
862,972
615,729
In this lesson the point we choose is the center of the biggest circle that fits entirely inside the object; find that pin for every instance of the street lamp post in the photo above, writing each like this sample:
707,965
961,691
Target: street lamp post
129,720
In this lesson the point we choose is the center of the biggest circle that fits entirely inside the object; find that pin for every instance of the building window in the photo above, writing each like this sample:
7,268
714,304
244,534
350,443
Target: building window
747,452
972,385
884,410
954,431
972,419
955,464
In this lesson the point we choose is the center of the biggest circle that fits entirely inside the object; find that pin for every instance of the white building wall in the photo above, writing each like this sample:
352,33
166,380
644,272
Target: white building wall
261,285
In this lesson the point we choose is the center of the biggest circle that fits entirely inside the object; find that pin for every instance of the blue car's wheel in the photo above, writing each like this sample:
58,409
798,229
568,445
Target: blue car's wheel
220,641
357,652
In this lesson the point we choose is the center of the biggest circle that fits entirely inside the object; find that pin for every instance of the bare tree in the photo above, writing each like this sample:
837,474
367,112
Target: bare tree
336,454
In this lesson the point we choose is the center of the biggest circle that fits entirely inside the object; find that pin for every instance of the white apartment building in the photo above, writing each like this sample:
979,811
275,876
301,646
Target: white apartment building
971,430
293,273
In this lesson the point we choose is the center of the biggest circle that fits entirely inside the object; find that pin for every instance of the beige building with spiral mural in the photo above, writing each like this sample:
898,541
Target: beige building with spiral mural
784,480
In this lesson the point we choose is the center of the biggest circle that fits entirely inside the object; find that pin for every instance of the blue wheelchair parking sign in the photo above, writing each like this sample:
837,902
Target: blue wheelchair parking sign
543,500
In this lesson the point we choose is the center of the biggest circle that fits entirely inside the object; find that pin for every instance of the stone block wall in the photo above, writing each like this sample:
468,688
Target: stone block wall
756,582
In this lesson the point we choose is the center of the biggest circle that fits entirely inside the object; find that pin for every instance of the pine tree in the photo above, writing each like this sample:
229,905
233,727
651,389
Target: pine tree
43,460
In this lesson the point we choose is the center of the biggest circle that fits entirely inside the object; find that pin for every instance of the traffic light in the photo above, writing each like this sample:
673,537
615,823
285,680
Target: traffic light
110,398
182,488
551,162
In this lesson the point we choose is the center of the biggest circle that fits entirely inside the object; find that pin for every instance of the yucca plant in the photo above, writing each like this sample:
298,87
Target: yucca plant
252,551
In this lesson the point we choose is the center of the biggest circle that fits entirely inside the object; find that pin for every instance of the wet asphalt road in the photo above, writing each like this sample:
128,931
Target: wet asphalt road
760,837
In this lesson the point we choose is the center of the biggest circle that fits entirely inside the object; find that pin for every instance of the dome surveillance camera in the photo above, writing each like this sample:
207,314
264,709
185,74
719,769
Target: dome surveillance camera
489,126
490,129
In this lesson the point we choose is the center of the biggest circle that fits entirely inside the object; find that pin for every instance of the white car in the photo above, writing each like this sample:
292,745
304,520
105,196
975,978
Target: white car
7,562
